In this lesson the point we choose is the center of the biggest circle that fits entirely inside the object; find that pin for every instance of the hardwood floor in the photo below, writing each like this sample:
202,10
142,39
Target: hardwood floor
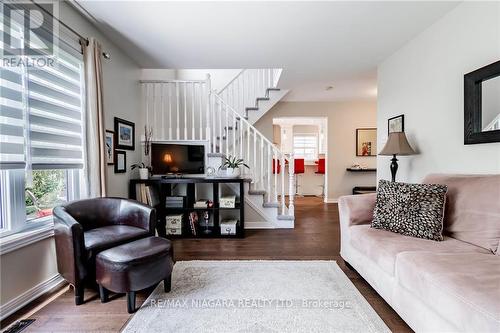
316,236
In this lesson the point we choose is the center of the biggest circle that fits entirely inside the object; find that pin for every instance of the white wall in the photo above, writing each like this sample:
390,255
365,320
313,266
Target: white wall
343,119
23,269
424,81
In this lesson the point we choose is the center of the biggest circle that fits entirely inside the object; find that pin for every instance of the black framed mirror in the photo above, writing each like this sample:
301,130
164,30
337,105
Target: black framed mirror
482,105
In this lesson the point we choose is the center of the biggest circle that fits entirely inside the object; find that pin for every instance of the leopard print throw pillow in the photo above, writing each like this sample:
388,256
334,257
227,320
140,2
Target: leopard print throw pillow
415,210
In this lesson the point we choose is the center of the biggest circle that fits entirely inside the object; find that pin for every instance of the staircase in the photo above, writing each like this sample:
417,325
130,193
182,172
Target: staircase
180,111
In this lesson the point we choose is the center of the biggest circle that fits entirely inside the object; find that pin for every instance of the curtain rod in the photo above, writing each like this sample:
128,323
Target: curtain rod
104,54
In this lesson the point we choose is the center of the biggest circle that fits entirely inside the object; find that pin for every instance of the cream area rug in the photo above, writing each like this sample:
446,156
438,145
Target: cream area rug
257,296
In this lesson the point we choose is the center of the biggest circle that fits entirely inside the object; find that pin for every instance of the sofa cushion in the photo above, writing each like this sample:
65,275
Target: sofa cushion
103,238
382,246
415,210
461,286
472,211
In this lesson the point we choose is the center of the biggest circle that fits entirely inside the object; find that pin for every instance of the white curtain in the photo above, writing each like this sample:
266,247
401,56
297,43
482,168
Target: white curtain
95,161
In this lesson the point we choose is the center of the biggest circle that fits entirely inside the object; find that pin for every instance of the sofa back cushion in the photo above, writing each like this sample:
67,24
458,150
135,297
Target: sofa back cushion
472,212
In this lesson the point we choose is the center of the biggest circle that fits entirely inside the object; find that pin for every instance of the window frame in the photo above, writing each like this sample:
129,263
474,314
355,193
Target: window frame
16,230
316,148
14,215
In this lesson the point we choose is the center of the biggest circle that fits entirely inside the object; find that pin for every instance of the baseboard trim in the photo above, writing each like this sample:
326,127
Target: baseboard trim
30,295
259,225
331,200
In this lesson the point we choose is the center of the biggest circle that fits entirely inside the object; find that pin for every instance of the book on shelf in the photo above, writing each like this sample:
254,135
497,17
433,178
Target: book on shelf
154,195
147,195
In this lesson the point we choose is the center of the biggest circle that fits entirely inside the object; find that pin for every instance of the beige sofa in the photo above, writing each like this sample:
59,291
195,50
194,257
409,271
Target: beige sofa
448,286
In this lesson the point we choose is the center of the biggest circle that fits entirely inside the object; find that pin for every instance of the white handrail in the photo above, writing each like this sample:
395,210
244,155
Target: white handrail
246,122
249,85
257,149
177,109
172,81
195,112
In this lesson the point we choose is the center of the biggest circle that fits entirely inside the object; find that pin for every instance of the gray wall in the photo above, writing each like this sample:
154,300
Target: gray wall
343,119
31,265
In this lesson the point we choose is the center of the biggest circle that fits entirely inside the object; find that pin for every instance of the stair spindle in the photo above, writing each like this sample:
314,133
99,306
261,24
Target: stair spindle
192,112
178,98
291,185
283,168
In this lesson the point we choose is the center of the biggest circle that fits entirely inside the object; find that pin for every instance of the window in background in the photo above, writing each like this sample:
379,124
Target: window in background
41,140
305,146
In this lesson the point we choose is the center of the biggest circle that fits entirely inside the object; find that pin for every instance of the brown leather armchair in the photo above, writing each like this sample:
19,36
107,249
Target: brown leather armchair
84,228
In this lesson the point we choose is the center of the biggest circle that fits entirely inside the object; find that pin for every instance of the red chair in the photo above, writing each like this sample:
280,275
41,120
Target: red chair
321,166
321,171
299,167
276,166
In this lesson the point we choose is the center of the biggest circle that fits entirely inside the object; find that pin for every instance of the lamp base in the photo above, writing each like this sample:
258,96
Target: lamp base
394,167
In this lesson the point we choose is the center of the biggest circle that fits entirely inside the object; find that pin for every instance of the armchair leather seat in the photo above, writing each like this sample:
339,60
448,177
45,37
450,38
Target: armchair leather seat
100,239
84,228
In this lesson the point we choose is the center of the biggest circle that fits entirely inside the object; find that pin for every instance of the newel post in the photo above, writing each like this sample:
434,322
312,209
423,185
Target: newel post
291,185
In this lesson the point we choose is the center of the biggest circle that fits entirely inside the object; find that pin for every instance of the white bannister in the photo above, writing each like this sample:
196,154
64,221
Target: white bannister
178,109
250,84
242,139
188,110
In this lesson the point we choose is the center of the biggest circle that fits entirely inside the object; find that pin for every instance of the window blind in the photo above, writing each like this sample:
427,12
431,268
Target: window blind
55,114
12,108
42,113
305,146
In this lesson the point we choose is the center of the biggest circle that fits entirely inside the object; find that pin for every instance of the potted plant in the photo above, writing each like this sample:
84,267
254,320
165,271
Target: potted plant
232,164
143,170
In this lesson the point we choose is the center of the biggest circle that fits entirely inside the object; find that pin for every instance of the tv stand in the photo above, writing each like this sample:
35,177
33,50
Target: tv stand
172,176
190,188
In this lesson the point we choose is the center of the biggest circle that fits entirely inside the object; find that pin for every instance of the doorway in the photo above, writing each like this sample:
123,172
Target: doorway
306,138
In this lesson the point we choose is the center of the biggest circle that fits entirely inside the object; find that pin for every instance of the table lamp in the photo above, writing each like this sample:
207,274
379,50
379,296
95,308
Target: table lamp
397,144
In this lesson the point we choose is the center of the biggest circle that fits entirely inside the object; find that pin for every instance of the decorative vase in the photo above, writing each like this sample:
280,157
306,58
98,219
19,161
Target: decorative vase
232,172
143,173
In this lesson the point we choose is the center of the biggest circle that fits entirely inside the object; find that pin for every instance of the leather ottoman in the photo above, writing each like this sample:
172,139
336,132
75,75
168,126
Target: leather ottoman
134,266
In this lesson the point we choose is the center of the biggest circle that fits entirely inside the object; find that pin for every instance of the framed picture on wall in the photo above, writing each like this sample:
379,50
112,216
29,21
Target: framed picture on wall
110,147
366,142
120,161
396,124
125,134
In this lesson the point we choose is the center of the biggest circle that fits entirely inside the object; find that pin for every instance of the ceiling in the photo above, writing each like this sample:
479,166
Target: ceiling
318,44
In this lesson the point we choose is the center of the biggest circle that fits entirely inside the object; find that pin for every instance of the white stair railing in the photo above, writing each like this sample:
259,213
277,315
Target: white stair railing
187,110
234,135
243,91
177,109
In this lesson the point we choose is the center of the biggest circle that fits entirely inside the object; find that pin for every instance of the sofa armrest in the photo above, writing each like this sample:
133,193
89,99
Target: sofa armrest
70,246
356,209
353,210
136,214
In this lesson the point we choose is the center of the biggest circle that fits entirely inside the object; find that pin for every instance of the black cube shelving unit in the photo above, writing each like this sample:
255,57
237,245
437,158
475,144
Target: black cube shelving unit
165,188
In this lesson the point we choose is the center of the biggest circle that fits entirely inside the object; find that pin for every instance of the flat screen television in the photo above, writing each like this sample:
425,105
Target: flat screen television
169,158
